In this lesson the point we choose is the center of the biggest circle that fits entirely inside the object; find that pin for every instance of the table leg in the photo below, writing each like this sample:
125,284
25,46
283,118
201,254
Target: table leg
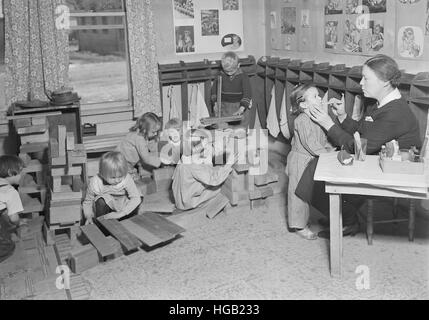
336,234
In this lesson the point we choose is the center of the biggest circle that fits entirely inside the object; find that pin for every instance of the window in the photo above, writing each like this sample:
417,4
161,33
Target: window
99,60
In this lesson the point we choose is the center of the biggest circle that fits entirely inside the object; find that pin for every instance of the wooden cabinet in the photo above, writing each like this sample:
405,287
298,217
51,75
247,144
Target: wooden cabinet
185,73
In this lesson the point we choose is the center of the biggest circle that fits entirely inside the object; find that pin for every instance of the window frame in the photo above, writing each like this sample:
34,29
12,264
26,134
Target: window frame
123,105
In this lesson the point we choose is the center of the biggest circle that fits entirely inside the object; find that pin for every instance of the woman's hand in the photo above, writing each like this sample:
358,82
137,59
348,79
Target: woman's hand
338,108
322,118
240,111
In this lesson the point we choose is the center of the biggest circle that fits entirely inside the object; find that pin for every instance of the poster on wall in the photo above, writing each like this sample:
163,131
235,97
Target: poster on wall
288,28
356,27
204,26
412,38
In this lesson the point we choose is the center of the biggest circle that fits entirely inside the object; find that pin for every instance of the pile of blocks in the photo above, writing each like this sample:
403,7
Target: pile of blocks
34,135
67,176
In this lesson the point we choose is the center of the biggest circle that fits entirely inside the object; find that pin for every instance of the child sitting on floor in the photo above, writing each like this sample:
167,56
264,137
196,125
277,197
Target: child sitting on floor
10,202
112,194
135,146
195,179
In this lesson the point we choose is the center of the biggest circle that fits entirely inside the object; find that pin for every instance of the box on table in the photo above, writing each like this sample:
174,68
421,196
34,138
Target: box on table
402,167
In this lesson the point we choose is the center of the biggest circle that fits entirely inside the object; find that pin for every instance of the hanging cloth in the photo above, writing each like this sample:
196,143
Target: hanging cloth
173,112
357,108
272,120
284,125
197,107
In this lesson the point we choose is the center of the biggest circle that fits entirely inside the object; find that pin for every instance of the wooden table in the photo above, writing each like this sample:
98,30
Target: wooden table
362,178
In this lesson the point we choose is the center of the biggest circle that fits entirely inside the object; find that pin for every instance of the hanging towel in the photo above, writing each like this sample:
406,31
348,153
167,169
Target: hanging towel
284,126
197,107
272,120
325,102
357,108
173,112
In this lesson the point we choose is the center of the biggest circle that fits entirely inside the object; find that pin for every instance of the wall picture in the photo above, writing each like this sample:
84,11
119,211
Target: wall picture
375,6
331,34
209,22
334,7
376,39
185,39
352,6
352,41
410,42
288,20
216,26
305,18
183,9
427,19
230,4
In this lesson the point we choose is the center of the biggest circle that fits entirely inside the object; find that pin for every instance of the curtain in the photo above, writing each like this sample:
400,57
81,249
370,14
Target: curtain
143,58
32,34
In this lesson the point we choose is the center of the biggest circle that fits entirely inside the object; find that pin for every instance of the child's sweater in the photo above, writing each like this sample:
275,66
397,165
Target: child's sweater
235,88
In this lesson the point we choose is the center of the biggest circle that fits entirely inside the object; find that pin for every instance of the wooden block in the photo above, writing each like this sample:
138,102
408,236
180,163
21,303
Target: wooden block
153,227
83,258
38,121
25,157
65,214
128,241
31,189
158,202
54,148
77,184
163,185
77,153
261,180
22,123
64,203
259,193
97,238
116,246
70,141
56,184
48,235
142,234
163,173
33,147
164,223
33,166
32,129
216,205
241,167
66,194
67,171
62,131
35,138
73,159
60,161
30,204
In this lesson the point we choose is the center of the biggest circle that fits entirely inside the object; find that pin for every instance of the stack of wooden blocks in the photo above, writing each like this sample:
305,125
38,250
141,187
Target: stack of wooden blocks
34,135
67,168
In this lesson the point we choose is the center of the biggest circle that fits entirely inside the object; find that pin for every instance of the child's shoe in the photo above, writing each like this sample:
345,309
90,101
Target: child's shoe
306,233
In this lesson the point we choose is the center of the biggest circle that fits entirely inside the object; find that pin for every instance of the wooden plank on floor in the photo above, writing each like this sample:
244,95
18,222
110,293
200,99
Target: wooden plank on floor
128,240
153,227
145,236
216,205
157,202
97,238
166,224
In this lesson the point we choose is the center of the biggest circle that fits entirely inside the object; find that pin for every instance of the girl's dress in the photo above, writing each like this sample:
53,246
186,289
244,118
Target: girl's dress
309,141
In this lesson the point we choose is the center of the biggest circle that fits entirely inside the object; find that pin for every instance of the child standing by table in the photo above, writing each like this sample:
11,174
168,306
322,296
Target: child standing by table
112,193
236,92
308,142
10,202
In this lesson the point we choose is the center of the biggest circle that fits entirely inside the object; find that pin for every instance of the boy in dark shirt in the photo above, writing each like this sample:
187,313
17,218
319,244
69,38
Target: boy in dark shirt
236,91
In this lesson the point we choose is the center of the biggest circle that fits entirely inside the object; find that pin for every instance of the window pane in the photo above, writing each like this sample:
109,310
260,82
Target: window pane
98,62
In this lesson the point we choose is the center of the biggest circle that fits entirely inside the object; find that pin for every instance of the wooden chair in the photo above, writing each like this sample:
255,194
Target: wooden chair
411,218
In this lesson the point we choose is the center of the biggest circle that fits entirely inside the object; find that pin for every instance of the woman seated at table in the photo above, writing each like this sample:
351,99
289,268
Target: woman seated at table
390,118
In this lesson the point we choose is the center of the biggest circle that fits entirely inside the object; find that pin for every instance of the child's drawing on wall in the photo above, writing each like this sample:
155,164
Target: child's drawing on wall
410,42
376,41
331,34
